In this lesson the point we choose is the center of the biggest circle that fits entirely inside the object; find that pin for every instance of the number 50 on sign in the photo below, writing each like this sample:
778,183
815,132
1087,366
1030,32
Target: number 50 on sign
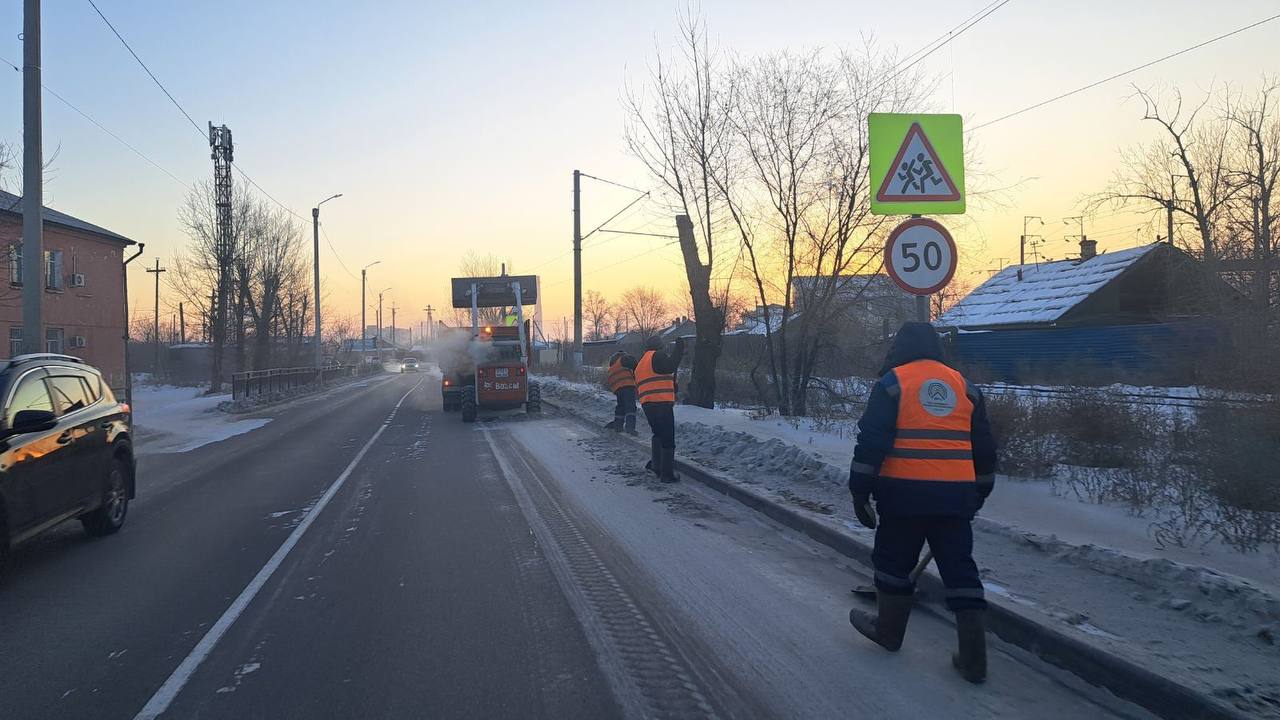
920,256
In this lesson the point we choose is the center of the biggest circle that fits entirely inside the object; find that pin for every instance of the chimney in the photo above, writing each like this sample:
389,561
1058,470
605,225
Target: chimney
1088,249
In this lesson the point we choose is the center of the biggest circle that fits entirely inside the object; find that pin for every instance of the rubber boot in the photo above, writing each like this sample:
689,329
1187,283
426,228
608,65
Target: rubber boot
629,423
655,457
614,425
669,466
971,660
889,625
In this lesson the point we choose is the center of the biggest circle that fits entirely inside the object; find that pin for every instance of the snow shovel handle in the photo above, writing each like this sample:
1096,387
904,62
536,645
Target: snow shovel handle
920,566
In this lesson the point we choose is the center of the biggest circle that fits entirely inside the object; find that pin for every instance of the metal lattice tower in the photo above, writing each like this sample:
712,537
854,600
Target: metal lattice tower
220,144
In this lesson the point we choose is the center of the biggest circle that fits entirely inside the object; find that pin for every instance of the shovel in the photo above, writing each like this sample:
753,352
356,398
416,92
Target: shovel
869,591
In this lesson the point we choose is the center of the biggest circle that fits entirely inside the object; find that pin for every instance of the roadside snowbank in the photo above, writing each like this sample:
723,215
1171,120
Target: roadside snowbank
170,419
1090,569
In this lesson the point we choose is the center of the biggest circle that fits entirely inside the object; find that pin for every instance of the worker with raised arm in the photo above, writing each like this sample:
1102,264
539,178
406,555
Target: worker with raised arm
656,389
621,379
926,454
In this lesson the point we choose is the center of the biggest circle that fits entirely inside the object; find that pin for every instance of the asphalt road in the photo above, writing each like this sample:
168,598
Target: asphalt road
366,555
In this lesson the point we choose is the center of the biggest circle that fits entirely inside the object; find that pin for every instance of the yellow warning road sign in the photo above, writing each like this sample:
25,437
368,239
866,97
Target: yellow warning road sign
917,164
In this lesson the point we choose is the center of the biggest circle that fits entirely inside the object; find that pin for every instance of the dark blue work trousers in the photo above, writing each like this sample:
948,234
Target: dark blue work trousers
899,539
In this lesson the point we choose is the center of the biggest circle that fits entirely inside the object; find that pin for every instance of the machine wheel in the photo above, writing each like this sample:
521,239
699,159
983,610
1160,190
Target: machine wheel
534,404
468,405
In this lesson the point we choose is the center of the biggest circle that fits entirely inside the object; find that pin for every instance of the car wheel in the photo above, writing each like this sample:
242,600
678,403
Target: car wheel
109,518
468,406
534,405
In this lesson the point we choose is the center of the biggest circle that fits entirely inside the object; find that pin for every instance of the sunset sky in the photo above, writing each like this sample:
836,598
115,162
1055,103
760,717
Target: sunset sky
451,126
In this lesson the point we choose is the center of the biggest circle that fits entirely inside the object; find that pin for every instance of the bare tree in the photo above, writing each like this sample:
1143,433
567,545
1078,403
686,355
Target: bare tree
477,264
1192,153
682,133
596,310
803,212
646,310
8,158
1256,125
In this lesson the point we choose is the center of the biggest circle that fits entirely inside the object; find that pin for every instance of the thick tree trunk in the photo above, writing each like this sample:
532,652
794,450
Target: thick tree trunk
708,319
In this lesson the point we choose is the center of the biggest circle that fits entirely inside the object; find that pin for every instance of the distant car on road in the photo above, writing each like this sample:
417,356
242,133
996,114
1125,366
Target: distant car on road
409,364
66,449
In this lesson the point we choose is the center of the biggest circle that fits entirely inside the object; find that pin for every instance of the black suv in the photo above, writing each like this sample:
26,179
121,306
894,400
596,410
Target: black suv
65,449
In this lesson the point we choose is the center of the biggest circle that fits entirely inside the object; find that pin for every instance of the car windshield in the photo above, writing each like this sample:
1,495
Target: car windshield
640,359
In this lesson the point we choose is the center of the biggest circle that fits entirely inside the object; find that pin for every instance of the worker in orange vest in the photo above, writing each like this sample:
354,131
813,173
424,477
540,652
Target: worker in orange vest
621,380
925,452
656,389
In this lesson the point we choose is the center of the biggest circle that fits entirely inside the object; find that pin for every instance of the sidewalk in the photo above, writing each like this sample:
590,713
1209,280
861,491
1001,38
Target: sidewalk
1199,626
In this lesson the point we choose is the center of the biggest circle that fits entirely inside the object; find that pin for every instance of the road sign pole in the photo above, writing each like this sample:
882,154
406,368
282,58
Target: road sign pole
922,301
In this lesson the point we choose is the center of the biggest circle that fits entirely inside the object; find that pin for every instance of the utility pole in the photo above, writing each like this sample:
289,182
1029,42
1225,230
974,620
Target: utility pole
315,267
1168,207
32,187
182,324
155,333
577,268
1022,242
364,327
393,323
223,154
431,324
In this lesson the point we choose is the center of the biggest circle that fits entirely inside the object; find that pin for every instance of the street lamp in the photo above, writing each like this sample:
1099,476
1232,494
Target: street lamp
315,266
364,333
378,342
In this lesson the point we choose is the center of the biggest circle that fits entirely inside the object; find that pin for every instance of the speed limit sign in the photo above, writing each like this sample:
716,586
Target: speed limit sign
920,256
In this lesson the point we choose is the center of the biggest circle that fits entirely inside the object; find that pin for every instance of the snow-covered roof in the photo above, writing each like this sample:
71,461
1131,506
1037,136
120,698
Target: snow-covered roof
1046,292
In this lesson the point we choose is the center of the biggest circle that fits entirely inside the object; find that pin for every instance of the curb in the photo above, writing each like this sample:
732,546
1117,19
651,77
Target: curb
1123,677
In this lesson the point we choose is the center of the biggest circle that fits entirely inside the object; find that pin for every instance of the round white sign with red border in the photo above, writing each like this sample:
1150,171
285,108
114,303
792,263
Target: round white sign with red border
920,256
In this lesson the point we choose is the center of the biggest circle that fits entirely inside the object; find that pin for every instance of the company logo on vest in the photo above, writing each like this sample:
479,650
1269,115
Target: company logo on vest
937,398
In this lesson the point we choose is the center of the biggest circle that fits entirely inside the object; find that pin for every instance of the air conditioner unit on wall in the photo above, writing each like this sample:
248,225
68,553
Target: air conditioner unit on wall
77,341
77,279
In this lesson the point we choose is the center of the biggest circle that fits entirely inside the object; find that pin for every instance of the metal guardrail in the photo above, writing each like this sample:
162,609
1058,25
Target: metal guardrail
255,383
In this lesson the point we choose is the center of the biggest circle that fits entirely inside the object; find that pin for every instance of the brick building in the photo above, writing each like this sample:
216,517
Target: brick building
84,289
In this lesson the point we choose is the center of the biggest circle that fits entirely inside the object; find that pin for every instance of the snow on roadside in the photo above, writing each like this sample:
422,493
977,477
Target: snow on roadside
1086,567
170,419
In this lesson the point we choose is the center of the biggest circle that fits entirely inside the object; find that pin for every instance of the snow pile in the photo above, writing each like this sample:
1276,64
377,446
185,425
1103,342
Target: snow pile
170,419
1210,628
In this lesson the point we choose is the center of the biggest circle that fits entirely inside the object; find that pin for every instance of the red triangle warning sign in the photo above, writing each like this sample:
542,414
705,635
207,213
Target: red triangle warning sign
916,173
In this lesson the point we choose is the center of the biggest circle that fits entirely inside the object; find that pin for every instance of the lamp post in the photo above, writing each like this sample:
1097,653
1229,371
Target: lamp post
364,333
378,343
315,267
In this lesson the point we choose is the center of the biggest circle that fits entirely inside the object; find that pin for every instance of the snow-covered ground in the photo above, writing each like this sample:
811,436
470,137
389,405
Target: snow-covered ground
170,419
1210,618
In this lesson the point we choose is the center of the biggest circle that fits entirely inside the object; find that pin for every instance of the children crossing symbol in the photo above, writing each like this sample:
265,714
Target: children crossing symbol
916,173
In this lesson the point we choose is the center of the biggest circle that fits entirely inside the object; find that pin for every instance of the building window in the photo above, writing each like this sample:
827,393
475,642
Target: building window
53,340
15,264
15,341
53,269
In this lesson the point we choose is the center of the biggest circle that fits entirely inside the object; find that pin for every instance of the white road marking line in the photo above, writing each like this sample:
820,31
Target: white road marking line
169,691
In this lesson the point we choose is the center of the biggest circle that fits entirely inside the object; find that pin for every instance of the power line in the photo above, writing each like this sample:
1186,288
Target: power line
1130,71
633,232
194,124
949,36
102,127
615,215
610,182
336,256
624,260
202,132
270,197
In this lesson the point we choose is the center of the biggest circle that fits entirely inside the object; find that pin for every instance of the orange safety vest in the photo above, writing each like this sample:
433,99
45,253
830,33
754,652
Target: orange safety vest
654,387
620,377
933,439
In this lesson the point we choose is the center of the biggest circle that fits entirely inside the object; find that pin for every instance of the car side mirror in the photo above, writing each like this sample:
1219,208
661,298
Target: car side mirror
29,421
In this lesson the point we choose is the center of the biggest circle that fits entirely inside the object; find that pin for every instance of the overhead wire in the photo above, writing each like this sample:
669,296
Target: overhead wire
103,128
1130,71
202,132
336,256
194,124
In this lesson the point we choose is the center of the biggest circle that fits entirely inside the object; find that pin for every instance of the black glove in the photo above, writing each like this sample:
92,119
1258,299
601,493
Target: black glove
865,511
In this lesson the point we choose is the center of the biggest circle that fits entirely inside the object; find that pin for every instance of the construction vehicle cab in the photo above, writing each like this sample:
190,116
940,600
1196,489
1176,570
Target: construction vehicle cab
493,373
